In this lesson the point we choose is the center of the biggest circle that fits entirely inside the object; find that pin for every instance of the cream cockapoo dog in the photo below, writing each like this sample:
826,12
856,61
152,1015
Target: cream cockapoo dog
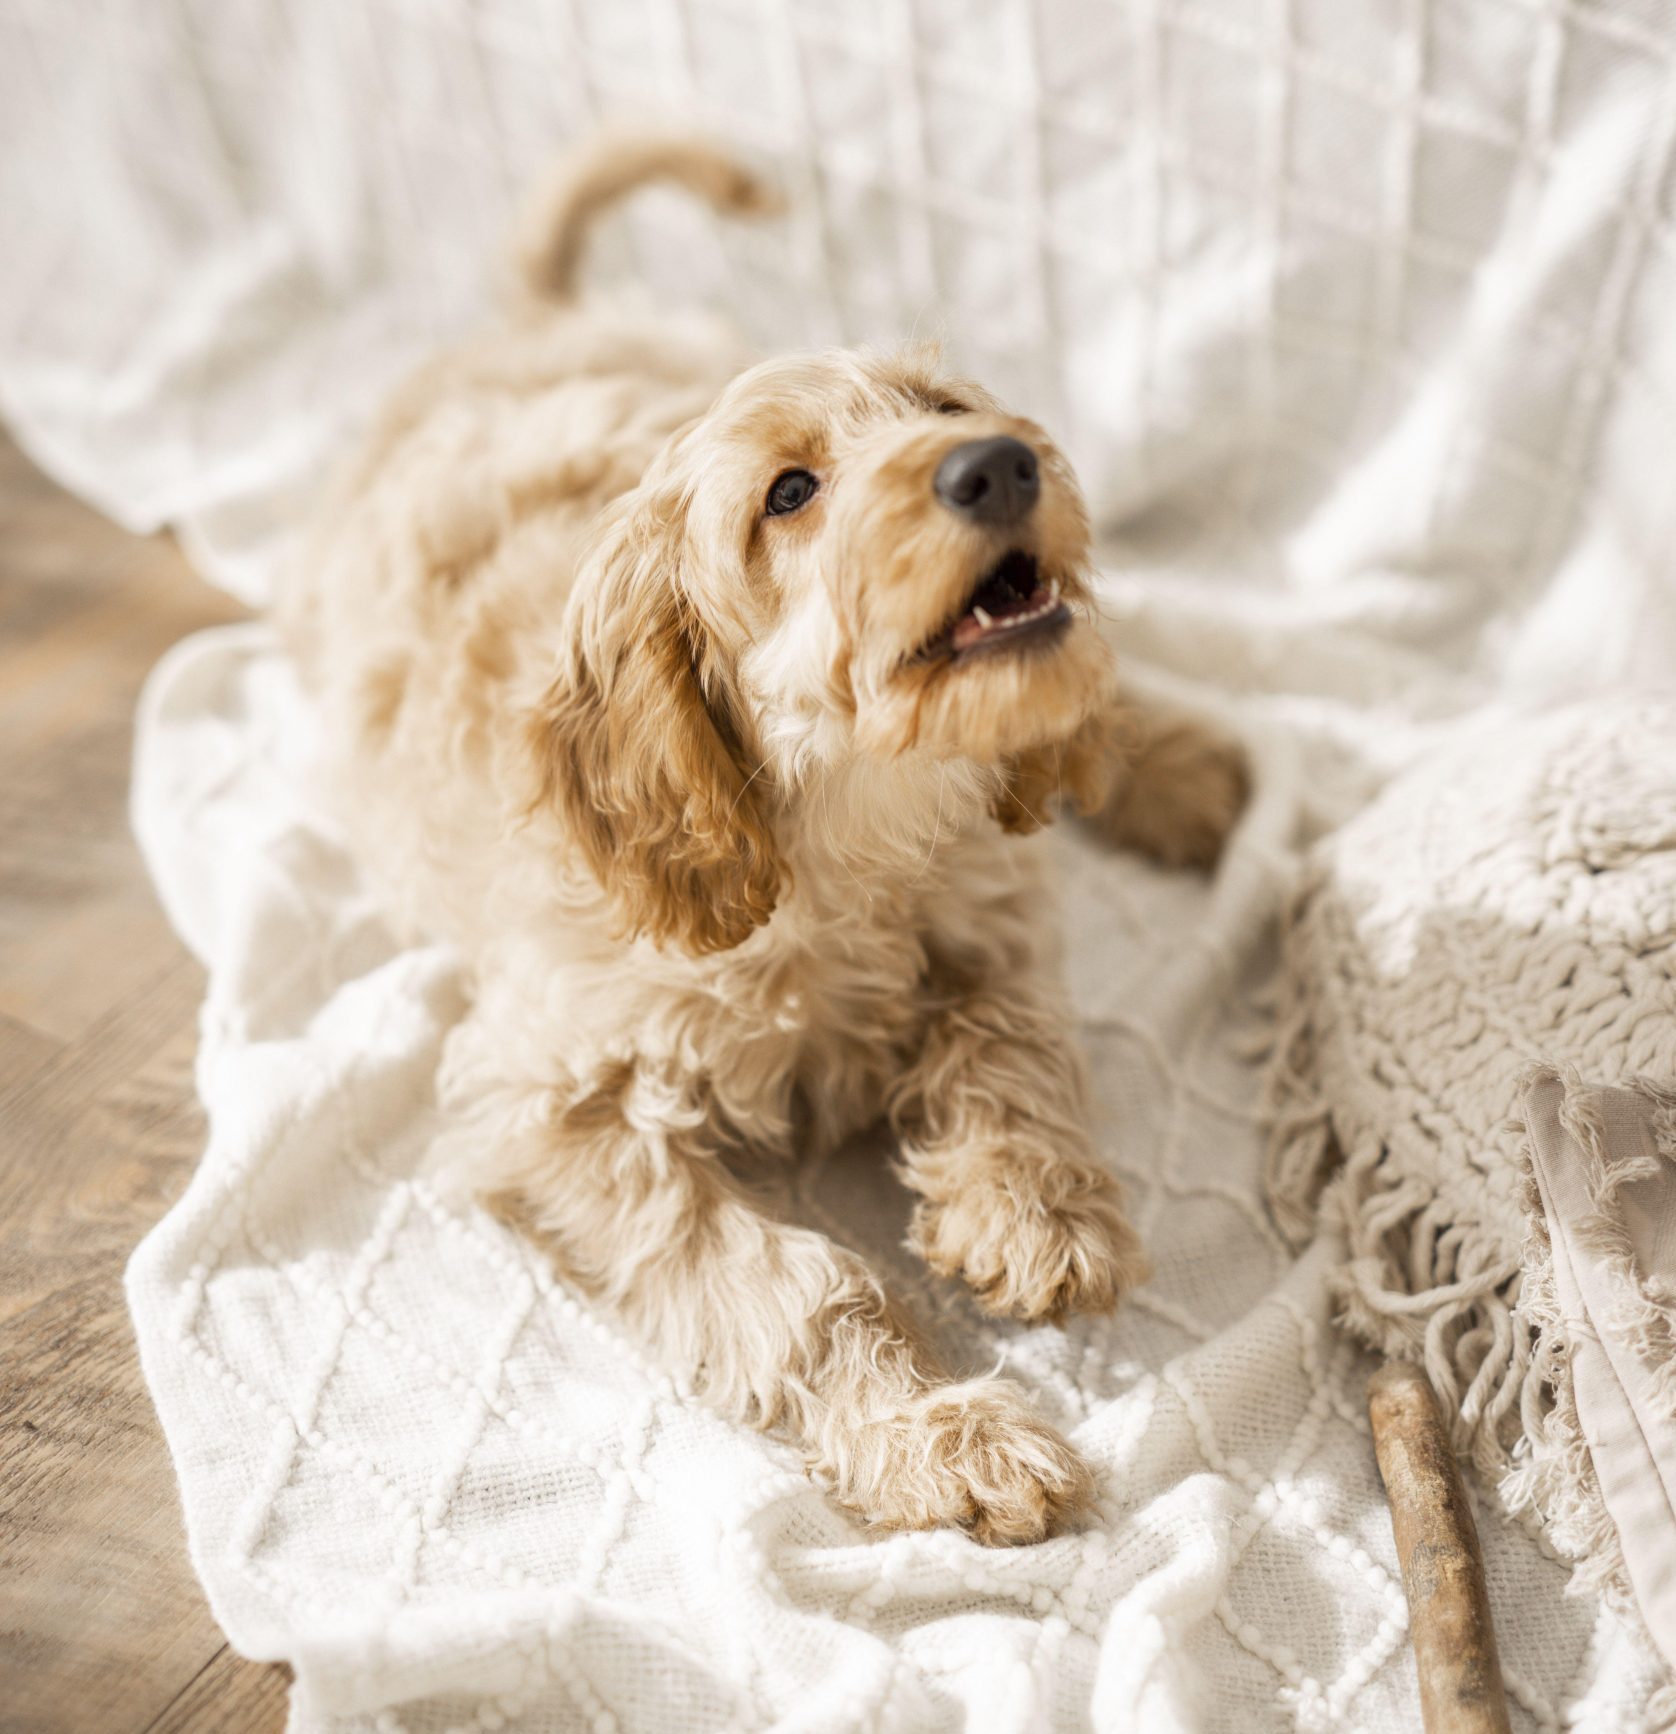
694,705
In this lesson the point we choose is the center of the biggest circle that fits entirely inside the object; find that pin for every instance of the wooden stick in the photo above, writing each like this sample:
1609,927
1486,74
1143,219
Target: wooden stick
1442,1570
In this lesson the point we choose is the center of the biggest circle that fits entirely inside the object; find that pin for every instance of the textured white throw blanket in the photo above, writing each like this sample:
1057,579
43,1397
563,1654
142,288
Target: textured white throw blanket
1508,902
1356,319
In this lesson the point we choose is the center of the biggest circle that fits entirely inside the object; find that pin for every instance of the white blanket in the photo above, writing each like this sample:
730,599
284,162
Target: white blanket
1355,316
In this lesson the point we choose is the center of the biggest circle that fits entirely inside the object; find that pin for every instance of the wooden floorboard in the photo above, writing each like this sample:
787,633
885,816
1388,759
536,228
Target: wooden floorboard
102,1623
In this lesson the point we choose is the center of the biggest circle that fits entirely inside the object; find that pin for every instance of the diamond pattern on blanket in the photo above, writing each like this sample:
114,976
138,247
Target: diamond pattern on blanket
457,1499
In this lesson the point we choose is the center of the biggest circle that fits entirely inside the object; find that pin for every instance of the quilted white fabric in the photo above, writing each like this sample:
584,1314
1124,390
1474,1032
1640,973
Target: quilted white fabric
448,1494
1354,314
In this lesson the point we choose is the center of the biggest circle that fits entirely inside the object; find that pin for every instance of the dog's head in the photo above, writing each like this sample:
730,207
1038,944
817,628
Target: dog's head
846,558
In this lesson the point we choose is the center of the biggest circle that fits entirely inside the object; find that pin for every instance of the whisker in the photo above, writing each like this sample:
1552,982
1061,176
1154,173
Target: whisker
937,826
838,853
743,787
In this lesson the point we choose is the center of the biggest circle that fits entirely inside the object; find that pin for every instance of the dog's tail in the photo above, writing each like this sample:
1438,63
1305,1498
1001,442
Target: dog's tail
554,232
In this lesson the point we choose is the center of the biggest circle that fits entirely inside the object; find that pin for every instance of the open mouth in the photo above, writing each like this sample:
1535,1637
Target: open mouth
1011,605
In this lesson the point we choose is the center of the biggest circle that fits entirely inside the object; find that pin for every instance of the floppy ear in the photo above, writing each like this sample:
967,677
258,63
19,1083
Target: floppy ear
638,752
1078,768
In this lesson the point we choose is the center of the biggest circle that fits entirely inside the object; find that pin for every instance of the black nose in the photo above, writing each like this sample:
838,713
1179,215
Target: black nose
993,481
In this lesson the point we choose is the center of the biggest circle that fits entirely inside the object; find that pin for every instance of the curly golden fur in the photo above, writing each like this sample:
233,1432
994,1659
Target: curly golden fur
707,797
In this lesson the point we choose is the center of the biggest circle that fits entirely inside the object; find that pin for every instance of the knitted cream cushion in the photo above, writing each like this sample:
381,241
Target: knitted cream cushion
1510,900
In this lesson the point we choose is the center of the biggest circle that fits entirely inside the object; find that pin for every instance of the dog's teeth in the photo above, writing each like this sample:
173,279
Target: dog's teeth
1053,590
982,619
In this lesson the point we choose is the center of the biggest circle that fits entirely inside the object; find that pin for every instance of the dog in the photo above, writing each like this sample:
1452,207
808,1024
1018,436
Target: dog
701,706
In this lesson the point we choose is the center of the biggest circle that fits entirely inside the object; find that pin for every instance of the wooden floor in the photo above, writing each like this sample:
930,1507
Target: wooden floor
102,1625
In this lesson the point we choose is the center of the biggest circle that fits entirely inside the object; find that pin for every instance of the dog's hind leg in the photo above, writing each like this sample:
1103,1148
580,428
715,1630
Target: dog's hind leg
774,1325
1167,786
1178,791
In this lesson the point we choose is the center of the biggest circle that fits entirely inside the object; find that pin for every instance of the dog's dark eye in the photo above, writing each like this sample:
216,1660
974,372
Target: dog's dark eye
949,407
791,489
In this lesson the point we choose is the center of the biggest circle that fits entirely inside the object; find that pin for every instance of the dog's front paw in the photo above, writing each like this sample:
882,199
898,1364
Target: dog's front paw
973,1457
1027,1257
1180,795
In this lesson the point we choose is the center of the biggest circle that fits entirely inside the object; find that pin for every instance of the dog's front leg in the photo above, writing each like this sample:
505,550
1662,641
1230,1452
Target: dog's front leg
993,1122
775,1325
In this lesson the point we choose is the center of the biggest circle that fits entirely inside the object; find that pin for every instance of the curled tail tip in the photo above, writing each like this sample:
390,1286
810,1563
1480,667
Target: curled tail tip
749,194
725,181
585,184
